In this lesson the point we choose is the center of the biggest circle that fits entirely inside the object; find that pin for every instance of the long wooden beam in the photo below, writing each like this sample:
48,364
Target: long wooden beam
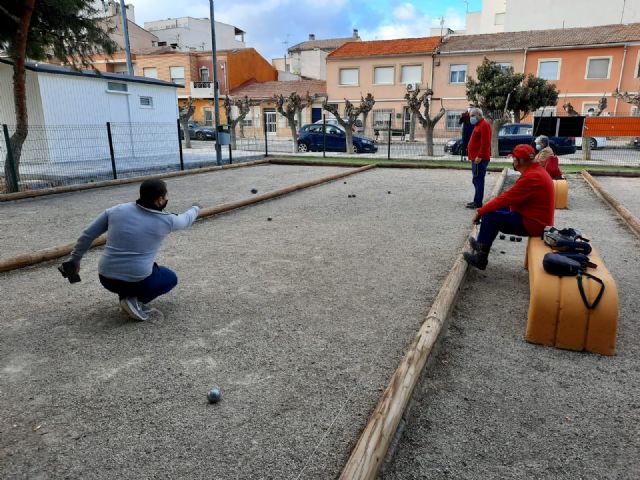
369,453
630,219
6,197
39,256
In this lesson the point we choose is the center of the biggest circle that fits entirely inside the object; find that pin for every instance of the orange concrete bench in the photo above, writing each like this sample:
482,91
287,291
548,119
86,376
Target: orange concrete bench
561,188
557,314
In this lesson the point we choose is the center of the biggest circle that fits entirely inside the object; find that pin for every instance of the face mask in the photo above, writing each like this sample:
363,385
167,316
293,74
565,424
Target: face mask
474,120
469,109
165,205
538,147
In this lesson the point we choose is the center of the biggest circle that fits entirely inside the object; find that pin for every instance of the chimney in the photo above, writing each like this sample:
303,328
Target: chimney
355,33
312,36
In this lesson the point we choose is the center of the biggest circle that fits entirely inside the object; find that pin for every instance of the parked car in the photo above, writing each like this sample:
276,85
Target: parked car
513,134
596,142
311,139
333,121
199,132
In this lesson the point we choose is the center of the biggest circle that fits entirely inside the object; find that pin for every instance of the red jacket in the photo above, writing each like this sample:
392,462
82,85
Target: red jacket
480,143
551,166
532,196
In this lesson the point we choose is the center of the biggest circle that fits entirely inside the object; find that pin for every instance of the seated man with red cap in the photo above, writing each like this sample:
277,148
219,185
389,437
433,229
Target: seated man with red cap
524,210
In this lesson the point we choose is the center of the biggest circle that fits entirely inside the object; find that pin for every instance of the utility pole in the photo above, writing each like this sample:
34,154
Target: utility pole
216,106
286,49
125,31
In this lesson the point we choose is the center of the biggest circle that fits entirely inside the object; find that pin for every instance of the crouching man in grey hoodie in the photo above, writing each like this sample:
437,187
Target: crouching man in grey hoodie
135,232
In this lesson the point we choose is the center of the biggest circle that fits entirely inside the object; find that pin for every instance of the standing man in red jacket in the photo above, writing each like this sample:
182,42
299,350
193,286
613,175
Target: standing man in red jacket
479,154
524,210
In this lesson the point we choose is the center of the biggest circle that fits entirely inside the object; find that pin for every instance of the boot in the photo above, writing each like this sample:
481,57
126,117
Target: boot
479,258
474,244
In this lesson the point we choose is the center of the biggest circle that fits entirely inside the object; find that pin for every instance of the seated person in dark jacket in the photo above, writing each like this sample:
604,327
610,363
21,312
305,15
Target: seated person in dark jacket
547,158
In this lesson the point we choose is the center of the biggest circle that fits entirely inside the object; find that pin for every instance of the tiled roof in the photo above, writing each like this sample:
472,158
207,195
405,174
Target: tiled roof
605,34
328,44
401,46
259,90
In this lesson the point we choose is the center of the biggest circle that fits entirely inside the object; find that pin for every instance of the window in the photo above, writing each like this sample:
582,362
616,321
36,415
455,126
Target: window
549,69
204,74
411,74
146,102
383,75
315,129
545,112
589,109
162,44
247,122
117,87
177,75
457,73
381,118
635,112
150,72
349,76
598,68
453,117
504,66
499,19
207,113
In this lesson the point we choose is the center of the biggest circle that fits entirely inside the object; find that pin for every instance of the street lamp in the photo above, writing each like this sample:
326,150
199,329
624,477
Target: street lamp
216,106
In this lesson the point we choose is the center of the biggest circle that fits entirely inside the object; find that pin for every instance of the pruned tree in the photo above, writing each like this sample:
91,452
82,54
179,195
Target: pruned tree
532,94
351,114
367,104
416,102
630,98
289,107
587,141
66,29
569,110
186,112
492,92
243,105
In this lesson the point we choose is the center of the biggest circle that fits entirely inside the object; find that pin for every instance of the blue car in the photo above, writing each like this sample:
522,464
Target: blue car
311,139
513,134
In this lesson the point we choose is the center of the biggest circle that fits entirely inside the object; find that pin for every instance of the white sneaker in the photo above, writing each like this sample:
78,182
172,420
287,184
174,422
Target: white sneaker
144,307
132,307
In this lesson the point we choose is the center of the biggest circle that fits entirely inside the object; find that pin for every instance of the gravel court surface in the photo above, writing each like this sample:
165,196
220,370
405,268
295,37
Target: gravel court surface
625,190
495,407
300,321
51,220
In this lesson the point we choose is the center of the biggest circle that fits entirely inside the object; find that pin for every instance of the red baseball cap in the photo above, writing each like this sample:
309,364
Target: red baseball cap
524,152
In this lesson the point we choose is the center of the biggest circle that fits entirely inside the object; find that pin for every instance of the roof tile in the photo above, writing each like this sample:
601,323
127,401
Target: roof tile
258,90
402,46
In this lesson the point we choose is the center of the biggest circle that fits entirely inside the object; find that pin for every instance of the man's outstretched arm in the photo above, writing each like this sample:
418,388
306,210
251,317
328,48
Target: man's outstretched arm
93,231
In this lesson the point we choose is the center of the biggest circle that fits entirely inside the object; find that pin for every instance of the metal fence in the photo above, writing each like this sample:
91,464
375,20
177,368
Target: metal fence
73,154
395,137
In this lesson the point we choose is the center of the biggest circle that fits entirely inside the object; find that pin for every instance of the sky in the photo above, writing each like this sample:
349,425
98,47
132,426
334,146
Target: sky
270,23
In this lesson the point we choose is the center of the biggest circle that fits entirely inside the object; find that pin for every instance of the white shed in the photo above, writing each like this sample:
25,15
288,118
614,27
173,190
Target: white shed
68,111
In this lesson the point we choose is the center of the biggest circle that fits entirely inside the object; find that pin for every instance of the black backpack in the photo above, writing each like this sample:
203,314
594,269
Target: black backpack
573,264
566,240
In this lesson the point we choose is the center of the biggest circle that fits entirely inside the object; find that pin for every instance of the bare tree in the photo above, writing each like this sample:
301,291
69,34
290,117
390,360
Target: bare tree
351,114
586,141
243,105
289,107
367,103
186,112
630,98
416,102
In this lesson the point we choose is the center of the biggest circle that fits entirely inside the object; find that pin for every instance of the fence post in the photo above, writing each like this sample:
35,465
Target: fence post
324,136
180,146
264,126
10,167
230,156
113,157
389,135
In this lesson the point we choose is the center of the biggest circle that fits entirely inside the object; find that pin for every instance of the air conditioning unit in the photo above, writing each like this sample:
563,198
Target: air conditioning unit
409,86
413,86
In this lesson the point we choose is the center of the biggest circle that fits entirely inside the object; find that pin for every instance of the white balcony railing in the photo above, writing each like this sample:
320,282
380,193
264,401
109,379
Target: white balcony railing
202,89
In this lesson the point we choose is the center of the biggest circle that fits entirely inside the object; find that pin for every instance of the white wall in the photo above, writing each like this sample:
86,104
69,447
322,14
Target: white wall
195,33
310,63
548,14
485,20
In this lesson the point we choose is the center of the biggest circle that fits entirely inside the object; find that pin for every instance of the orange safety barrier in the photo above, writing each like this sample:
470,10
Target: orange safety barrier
557,314
611,127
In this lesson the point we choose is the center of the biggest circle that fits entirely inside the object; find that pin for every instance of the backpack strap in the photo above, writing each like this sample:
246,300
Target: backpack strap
593,305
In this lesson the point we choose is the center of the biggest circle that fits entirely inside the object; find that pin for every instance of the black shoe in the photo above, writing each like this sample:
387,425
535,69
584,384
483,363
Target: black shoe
475,246
477,259
472,205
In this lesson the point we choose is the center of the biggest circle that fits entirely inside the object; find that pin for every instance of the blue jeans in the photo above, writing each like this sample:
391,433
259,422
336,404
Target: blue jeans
500,221
479,170
161,281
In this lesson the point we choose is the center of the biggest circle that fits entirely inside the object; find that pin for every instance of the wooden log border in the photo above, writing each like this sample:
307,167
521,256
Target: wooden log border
370,451
7,197
382,164
39,256
631,220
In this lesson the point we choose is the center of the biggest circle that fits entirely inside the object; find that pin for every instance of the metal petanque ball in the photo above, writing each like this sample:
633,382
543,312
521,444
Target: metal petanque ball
518,239
214,395
512,238
502,237
254,190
